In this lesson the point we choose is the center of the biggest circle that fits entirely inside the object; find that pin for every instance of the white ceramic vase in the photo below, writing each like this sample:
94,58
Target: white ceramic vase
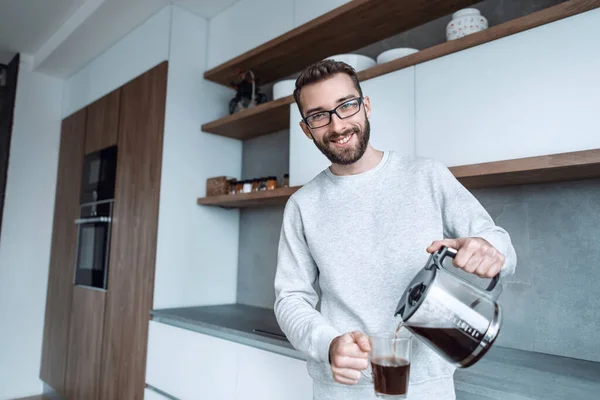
465,22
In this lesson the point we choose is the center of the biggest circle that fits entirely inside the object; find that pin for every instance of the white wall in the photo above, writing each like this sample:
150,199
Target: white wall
27,229
233,31
197,249
140,50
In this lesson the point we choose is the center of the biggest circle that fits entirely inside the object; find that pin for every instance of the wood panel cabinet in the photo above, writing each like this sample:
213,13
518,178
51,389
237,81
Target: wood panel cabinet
134,231
63,252
85,344
103,122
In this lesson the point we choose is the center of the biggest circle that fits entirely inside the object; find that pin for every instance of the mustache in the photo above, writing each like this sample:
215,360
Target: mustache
335,135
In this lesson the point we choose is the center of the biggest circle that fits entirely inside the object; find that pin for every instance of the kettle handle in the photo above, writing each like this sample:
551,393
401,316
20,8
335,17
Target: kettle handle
450,252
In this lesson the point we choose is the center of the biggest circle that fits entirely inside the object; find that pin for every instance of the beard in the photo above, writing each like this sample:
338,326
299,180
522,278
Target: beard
350,155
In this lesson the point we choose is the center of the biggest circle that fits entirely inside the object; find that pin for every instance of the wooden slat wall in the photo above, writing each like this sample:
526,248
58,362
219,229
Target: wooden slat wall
63,252
133,248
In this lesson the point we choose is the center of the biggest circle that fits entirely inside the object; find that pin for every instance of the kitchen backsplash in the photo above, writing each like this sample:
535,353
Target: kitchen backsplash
550,303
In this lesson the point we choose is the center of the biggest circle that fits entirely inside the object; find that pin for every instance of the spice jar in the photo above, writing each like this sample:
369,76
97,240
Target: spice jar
255,185
239,187
271,183
286,180
231,186
247,186
262,185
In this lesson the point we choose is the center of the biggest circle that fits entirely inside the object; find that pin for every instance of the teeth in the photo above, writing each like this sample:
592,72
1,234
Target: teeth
343,140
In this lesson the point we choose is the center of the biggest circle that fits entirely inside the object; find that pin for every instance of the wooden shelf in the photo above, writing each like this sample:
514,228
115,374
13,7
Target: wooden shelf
264,118
351,26
274,116
245,200
551,168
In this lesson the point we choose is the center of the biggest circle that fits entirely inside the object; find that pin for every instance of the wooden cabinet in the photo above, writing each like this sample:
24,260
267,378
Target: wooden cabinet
392,124
63,252
85,344
103,122
134,231
191,365
532,94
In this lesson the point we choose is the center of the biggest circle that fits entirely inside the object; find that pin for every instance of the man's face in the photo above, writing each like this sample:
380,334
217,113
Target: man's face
342,141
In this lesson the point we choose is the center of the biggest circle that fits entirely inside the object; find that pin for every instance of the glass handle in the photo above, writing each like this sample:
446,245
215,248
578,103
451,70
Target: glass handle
367,375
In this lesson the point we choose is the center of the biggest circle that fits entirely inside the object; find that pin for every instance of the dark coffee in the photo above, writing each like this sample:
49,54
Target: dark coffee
456,344
390,375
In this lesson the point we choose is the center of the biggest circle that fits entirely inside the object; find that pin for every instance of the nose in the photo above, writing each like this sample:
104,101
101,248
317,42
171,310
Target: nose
336,123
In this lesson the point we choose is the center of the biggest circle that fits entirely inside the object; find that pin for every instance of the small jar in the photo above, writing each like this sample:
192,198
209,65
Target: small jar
271,183
286,180
262,185
247,186
231,186
239,187
255,185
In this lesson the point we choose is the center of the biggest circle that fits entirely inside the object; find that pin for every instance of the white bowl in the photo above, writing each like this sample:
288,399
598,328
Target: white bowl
356,61
284,88
394,54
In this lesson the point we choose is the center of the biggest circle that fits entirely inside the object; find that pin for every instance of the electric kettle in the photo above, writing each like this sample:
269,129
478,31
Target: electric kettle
451,315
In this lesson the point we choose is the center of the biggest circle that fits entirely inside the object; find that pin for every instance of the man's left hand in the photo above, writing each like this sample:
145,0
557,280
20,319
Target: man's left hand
475,255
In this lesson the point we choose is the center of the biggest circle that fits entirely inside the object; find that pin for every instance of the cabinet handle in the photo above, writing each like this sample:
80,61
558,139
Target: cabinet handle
80,221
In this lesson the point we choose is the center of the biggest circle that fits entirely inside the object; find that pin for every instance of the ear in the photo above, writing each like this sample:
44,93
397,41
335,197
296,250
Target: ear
306,130
367,104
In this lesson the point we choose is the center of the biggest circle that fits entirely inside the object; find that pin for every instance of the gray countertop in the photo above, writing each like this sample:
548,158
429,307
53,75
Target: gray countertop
503,374
235,322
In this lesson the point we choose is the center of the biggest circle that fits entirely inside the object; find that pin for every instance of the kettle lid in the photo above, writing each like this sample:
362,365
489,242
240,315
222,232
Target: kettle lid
416,292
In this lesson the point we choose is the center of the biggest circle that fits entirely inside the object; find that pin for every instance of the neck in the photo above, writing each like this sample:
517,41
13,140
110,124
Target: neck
368,161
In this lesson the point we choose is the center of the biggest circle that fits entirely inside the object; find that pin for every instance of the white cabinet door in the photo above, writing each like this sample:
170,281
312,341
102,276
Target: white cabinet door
529,94
190,365
392,124
263,375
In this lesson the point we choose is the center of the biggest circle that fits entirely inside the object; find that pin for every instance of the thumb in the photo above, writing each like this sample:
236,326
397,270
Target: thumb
362,340
436,245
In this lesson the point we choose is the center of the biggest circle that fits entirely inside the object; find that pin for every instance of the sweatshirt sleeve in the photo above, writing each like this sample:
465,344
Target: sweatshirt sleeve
295,297
464,216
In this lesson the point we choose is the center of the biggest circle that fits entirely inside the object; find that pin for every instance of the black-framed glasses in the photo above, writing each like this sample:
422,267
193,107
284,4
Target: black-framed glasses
344,110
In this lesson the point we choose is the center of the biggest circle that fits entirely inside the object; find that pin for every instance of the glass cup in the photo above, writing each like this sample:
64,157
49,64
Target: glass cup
389,361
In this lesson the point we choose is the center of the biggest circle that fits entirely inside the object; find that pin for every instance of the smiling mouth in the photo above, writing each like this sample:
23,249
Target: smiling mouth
343,139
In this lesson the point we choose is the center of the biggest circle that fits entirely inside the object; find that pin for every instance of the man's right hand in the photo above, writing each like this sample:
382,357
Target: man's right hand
348,355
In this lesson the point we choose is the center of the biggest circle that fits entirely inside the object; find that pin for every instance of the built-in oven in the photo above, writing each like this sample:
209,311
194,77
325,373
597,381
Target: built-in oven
94,224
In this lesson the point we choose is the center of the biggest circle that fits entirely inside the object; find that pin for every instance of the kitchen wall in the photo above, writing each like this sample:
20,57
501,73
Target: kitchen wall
550,304
197,249
137,52
260,228
27,229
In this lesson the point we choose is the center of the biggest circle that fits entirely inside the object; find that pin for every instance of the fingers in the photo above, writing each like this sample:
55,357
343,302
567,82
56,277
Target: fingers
362,340
350,362
436,245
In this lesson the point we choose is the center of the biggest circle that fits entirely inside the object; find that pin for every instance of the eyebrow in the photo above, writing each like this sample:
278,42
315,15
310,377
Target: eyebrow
338,101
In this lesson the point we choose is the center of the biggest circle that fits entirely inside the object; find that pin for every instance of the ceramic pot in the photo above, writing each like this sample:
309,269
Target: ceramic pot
465,22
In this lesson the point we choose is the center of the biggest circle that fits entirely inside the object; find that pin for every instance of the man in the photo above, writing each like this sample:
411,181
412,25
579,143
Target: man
359,232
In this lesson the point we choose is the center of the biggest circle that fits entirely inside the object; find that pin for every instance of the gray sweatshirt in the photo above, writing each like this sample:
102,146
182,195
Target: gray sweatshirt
359,240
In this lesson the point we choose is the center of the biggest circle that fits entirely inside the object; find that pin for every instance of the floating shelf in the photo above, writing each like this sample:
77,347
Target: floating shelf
246,200
542,169
275,115
551,168
351,26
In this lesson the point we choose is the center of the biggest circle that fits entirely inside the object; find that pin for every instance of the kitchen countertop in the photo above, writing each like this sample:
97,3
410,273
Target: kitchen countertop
235,322
503,374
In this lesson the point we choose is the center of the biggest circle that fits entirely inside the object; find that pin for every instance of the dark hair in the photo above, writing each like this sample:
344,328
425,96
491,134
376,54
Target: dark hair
320,71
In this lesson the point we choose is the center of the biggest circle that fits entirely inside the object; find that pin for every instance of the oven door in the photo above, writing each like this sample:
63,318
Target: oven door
93,245
99,174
